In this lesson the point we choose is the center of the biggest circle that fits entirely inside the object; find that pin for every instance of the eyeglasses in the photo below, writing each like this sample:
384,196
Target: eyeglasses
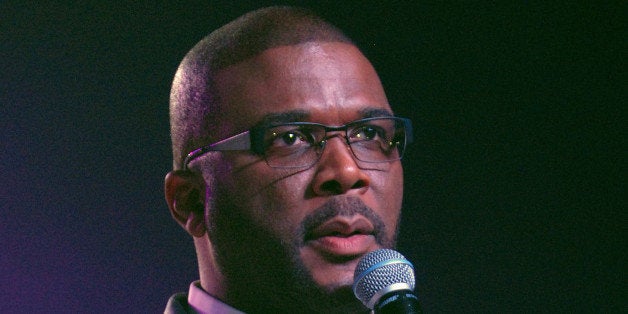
301,144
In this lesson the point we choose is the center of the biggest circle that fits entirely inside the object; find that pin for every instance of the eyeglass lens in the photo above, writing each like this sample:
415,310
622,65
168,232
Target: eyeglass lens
301,144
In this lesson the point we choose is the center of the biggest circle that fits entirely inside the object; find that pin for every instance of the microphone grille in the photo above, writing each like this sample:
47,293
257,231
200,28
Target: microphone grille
377,271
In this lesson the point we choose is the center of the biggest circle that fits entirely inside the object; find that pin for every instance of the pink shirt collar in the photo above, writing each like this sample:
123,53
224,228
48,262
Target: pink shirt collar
204,303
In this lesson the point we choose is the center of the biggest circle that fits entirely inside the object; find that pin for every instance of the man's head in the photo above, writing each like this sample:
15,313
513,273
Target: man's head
278,227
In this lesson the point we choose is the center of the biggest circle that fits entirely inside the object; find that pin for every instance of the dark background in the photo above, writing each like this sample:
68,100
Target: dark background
513,194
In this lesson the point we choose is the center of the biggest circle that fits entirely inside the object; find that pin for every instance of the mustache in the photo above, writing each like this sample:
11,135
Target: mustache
343,206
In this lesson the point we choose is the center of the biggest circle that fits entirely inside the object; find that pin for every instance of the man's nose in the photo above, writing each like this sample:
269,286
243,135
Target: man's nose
337,170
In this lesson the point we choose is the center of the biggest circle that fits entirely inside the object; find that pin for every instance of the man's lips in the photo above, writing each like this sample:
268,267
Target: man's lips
342,237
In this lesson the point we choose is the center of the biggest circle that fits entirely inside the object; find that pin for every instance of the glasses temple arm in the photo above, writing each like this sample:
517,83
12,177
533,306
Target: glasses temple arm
240,141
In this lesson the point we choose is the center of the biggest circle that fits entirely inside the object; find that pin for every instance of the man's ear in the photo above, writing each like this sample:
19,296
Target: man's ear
185,195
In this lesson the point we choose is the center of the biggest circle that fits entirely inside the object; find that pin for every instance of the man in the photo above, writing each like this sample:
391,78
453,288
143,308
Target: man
286,165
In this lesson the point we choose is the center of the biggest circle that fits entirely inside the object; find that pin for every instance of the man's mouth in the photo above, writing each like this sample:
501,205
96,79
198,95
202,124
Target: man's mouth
343,238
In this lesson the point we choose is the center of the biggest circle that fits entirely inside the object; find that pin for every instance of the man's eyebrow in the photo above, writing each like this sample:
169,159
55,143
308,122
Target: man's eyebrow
301,115
282,117
375,112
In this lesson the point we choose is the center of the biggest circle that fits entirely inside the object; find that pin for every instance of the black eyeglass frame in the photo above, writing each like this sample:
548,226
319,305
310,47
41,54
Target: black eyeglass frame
253,139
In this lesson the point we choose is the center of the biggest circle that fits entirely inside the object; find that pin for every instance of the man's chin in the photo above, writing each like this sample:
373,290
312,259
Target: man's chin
330,275
344,301
336,286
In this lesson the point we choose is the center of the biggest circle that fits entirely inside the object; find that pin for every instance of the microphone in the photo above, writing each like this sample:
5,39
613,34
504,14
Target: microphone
384,281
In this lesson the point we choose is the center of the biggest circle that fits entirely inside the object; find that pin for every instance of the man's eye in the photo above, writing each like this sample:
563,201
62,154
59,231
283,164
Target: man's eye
291,138
367,133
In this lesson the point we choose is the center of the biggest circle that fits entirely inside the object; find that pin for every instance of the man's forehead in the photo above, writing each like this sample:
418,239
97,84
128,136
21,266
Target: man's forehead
324,82
287,57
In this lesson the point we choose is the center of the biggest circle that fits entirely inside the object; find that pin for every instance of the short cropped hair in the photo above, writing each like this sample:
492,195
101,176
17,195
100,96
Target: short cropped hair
193,102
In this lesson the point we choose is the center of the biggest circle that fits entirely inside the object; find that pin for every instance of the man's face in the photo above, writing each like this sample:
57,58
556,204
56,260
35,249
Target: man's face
274,227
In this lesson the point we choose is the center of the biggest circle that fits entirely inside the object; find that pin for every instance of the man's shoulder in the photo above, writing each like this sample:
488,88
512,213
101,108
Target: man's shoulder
178,304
